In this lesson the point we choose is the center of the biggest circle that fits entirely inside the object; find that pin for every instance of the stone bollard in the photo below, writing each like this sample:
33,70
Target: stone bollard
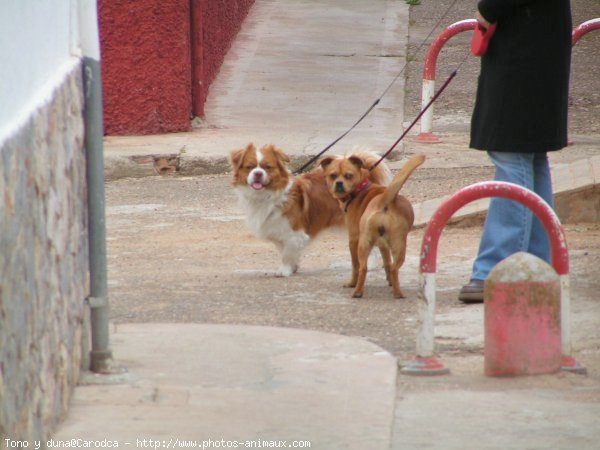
522,318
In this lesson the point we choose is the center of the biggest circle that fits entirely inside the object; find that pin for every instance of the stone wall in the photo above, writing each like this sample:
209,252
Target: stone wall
43,264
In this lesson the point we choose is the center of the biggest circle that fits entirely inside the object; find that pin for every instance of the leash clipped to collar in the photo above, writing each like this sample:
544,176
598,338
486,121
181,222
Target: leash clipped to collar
361,187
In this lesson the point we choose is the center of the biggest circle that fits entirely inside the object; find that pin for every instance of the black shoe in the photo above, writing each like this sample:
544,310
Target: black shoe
472,292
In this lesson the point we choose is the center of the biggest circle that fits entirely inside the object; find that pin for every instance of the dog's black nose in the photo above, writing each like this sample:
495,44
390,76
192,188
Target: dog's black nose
339,186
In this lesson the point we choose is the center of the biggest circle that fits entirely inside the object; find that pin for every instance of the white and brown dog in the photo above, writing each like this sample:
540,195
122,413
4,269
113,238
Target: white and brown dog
288,211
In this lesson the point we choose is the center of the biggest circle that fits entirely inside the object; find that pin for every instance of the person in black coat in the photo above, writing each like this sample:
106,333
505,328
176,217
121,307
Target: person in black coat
520,114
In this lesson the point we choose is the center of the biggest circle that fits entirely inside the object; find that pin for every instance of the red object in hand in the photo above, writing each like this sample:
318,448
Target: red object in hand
481,38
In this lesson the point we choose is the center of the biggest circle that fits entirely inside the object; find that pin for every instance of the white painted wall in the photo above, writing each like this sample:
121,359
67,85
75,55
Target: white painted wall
39,44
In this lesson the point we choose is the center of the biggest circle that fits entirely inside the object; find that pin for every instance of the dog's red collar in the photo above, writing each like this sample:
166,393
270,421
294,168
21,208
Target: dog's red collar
361,187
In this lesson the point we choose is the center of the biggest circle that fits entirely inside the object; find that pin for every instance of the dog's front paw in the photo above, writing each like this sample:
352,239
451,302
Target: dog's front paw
350,284
357,294
398,294
286,271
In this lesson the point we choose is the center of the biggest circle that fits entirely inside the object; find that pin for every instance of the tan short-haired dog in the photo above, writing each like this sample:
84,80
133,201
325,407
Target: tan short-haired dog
375,216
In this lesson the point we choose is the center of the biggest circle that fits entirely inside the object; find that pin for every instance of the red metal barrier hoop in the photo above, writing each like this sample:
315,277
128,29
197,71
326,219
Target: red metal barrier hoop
429,70
426,363
558,243
584,28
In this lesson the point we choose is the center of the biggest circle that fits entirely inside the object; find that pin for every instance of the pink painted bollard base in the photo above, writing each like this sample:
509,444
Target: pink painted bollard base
522,325
522,337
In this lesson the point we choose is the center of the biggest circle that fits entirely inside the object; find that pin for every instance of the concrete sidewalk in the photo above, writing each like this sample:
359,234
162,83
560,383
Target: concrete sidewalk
203,383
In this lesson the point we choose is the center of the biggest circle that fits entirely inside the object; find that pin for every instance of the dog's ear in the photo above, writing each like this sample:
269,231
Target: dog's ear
281,157
357,161
236,156
280,153
324,162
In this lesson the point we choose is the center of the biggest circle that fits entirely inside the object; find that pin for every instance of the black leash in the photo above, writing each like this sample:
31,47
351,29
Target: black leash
376,102
412,124
342,136
433,99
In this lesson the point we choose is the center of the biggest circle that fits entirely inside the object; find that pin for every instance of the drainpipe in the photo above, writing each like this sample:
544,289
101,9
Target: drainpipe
101,355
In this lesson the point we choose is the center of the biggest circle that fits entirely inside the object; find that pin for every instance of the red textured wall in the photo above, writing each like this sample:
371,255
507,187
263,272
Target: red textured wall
222,21
146,72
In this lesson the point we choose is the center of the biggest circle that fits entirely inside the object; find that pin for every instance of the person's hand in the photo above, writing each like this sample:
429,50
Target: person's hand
484,23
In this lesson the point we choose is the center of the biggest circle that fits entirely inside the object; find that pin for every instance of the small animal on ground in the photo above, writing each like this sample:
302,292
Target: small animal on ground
285,209
375,216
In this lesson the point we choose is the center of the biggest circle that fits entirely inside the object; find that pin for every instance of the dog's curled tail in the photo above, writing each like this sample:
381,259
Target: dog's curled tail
400,178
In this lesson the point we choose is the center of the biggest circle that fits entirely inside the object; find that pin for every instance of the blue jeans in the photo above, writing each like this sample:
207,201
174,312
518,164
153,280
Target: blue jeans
511,227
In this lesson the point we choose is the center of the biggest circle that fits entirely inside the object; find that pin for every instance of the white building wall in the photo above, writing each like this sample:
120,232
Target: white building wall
38,48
